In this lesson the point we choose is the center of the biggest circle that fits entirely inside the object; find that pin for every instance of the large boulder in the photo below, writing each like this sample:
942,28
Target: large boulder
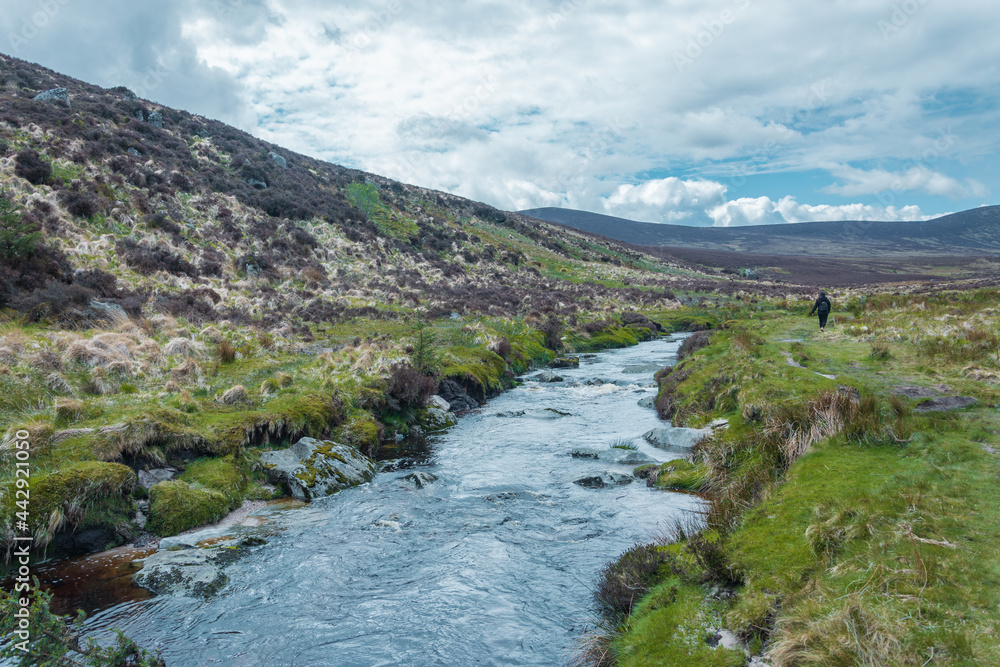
456,396
192,572
315,468
677,439
546,376
55,95
188,572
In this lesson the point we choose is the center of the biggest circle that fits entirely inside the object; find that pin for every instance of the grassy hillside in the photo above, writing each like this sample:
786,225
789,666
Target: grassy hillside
175,292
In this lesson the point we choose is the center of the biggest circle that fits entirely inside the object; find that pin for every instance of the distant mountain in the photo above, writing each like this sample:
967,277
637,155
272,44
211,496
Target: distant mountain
970,233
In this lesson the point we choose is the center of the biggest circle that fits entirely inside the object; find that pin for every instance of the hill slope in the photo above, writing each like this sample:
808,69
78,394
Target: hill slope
973,232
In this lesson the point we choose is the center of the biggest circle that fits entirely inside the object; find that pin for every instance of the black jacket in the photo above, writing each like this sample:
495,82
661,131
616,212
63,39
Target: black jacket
819,301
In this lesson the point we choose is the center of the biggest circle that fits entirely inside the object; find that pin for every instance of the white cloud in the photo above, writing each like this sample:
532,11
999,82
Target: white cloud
916,178
703,202
764,211
526,104
666,200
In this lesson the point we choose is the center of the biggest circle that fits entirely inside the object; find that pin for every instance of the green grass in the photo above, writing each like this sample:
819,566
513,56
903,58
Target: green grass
176,506
671,627
878,544
610,338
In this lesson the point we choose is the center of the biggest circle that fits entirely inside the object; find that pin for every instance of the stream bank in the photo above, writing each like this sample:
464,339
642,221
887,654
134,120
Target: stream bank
480,547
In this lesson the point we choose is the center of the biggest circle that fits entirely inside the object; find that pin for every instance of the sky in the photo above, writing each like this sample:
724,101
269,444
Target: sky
696,112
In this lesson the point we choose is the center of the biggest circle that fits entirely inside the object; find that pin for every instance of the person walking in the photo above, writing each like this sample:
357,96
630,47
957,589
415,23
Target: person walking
821,308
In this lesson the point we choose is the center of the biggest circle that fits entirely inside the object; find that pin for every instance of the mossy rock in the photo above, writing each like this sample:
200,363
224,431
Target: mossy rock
219,474
315,468
97,488
434,419
682,475
360,431
176,506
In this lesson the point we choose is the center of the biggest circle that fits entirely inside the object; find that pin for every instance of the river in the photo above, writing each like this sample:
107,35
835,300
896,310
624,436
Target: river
494,563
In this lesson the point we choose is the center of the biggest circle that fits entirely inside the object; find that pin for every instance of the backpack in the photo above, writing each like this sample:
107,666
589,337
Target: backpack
824,307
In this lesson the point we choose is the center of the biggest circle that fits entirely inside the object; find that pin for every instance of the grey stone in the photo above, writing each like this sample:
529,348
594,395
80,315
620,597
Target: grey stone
439,402
150,478
155,118
453,392
595,382
54,95
419,479
313,468
604,479
133,152
648,402
278,160
629,457
546,376
585,453
676,439
719,423
435,419
186,572
260,185
565,362
946,404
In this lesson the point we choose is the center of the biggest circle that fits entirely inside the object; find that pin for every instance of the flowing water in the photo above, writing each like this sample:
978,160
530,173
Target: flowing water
492,564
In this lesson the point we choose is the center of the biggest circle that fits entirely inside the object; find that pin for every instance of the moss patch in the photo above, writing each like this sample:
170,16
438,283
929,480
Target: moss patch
176,506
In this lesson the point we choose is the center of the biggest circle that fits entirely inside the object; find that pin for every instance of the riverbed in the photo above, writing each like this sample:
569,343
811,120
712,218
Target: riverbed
490,560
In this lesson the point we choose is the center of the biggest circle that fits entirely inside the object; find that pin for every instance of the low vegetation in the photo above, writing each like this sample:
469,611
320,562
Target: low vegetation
844,525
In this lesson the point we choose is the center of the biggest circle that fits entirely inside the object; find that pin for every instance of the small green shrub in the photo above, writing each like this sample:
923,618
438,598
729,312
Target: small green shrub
17,238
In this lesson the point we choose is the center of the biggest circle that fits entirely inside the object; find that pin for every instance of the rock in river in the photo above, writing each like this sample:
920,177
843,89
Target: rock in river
603,479
565,362
546,376
677,439
313,468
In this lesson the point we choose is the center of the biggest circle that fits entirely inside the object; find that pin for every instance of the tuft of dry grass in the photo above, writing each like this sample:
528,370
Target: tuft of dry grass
68,410
227,352
235,395
185,347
